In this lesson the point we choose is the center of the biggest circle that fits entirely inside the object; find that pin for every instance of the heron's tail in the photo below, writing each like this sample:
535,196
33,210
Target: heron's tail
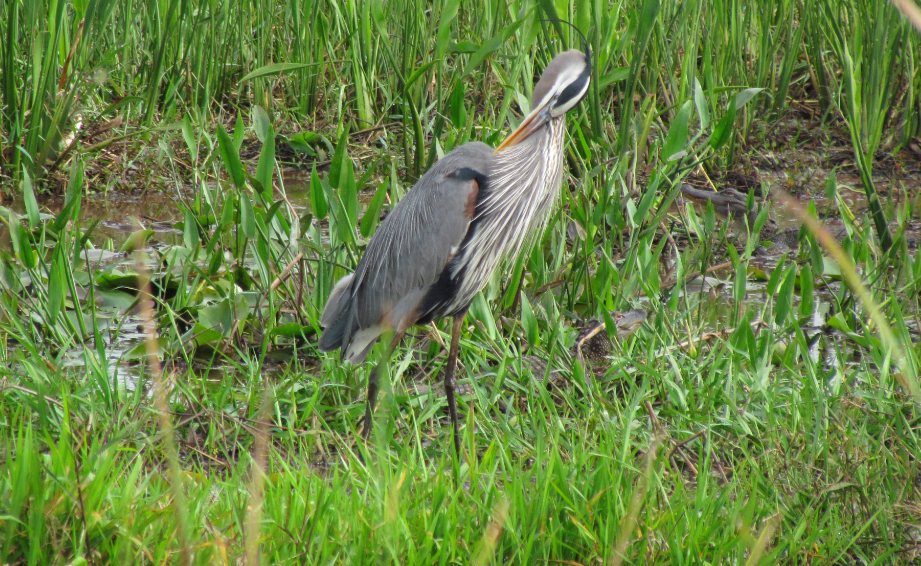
338,318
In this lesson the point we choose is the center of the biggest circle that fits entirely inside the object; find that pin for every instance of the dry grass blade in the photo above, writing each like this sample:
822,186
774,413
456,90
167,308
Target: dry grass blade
766,533
162,407
493,532
633,512
910,11
254,509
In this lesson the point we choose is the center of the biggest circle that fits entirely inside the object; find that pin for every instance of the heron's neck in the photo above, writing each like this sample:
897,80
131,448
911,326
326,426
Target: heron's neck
524,183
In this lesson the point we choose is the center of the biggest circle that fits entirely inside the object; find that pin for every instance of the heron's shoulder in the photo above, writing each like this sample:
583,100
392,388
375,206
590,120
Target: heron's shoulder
474,147
473,155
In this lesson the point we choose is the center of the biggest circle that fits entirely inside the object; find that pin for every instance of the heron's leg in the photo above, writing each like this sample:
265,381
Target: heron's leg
449,377
372,383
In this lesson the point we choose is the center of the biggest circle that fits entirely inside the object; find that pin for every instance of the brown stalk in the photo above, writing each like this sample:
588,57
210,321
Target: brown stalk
257,484
911,11
161,406
633,511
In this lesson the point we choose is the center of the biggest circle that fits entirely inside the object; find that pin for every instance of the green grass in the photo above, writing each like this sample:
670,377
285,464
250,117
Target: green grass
777,439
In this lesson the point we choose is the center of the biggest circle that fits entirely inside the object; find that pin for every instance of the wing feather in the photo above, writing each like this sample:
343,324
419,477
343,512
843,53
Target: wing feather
415,242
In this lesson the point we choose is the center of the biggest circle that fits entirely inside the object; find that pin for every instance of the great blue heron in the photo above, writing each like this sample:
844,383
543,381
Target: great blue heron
441,243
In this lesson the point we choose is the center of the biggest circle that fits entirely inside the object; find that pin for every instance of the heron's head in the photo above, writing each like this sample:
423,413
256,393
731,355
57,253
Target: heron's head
564,83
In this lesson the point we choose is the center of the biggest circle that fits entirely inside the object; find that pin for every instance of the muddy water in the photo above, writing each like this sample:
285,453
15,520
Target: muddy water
119,216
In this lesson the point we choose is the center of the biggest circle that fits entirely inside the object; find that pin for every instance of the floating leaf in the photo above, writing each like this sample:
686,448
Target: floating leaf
117,280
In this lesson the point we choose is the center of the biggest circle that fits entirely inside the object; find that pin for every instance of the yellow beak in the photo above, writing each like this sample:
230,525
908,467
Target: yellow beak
533,122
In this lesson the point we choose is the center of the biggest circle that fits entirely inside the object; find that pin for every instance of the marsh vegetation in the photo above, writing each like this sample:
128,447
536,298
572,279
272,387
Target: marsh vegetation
183,182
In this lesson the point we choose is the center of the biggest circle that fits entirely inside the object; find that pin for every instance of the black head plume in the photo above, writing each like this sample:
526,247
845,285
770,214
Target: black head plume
585,45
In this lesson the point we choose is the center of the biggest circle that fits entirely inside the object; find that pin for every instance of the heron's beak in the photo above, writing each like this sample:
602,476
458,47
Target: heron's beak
533,122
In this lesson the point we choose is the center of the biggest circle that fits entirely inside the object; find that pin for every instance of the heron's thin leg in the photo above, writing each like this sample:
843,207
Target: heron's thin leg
372,383
449,378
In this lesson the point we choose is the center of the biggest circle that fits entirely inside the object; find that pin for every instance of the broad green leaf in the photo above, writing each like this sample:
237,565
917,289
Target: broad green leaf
785,296
458,111
774,280
272,211
231,157
831,185
227,213
806,289
57,284
336,165
301,142
479,310
373,212
190,230
677,137
416,74
188,136
117,280
202,335
265,167
830,268
723,129
743,97
247,216
239,131
528,321
317,197
448,13
838,322
28,197
348,192
615,76
71,209
702,110
490,46
261,123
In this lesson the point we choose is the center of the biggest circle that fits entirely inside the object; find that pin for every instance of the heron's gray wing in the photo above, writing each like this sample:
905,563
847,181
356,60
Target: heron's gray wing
407,253
418,238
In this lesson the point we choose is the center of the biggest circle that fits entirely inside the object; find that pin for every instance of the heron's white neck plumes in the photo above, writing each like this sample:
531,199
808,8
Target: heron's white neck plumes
524,183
